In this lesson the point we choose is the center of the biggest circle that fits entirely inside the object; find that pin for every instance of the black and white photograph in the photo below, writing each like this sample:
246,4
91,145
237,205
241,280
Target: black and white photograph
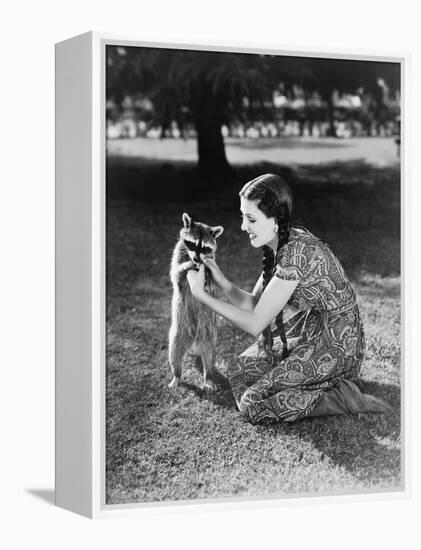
210,275
253,274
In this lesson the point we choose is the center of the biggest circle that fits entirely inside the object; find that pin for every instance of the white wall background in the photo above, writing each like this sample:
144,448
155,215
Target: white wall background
28,33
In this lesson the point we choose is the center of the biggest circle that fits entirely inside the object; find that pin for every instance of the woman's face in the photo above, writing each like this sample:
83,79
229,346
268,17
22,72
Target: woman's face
260,228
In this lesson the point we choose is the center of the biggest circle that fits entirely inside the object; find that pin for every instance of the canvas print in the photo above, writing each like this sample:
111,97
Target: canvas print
253,246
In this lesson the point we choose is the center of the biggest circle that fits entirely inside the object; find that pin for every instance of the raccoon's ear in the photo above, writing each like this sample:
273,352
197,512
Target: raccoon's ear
187,221
217,231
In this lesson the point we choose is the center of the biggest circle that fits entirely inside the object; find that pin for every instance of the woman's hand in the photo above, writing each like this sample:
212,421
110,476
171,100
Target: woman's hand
196,281
215,270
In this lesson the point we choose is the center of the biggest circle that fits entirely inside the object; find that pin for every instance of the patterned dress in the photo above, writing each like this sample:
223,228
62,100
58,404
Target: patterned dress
325,344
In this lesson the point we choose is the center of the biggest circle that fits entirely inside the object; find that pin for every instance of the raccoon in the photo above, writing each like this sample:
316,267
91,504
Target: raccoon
193,325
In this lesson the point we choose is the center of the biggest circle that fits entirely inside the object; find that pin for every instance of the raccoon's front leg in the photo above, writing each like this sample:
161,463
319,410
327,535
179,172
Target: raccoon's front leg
185,266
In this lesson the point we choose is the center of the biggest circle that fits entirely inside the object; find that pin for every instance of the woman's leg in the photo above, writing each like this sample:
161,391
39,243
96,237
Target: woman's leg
292,388
245,370
346,398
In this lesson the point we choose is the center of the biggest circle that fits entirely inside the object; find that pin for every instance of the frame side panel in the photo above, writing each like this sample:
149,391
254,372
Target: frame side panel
73,407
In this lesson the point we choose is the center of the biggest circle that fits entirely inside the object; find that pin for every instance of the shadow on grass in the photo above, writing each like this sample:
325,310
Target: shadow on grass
365,445
153,180
150,180
221,397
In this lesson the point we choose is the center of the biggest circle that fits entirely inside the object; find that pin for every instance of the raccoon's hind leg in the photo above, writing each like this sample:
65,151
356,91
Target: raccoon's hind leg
173,385
177,347
212,377
198,364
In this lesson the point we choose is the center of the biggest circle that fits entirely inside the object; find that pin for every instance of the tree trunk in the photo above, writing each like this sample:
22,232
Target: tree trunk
330,114
208,116
210,143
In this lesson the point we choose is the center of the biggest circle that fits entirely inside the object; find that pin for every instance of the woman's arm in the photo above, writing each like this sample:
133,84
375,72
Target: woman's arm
237,296
271,302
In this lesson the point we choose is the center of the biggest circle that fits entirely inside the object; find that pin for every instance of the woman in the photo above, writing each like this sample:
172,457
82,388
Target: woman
303,366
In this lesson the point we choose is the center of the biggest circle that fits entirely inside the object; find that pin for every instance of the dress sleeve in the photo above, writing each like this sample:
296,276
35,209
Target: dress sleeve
294,261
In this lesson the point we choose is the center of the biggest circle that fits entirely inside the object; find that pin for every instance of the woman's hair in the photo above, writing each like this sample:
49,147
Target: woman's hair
274,199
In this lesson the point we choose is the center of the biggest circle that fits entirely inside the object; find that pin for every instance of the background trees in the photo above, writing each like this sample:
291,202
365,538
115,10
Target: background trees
212,89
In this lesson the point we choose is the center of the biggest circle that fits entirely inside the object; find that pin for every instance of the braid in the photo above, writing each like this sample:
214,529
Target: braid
275,201
268,265
284,229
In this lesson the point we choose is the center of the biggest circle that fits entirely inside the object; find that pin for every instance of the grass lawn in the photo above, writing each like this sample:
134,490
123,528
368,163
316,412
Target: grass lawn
193,444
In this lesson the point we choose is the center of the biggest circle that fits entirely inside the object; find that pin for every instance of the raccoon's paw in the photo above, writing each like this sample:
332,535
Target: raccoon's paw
173,385
186,266
217,380
211,386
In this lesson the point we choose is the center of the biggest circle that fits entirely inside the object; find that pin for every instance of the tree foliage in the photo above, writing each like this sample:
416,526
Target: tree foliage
212,86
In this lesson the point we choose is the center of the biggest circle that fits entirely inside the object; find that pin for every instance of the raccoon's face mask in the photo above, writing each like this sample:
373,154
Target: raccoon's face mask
197,251
199,239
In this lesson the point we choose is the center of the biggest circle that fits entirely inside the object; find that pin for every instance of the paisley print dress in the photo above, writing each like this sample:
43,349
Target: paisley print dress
325,344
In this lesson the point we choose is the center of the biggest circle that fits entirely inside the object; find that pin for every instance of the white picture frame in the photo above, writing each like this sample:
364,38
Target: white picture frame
80,274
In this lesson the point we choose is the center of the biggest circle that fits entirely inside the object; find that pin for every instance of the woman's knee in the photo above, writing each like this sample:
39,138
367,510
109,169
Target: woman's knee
235,370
